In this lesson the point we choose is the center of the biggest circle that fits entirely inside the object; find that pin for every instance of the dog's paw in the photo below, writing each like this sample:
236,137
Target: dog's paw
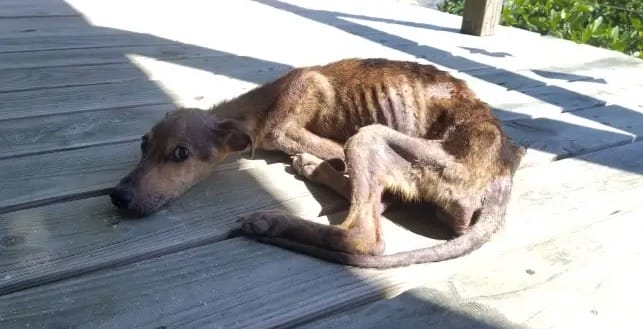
264,223
305,164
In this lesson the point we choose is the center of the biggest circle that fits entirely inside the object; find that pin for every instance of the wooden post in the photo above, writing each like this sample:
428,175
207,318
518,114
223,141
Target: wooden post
481,17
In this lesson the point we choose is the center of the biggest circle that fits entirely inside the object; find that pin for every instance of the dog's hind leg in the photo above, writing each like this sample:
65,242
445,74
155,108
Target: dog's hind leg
377,158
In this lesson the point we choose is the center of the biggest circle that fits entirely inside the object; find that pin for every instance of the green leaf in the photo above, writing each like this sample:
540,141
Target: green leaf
597,23
586,35
636,22
614,33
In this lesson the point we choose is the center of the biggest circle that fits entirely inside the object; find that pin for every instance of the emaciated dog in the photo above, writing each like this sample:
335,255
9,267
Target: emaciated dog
360,127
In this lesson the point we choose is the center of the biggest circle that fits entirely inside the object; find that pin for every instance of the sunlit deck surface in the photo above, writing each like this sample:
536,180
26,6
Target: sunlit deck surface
82,80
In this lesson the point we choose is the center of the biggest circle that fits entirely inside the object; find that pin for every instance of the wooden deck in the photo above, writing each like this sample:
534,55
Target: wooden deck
81,80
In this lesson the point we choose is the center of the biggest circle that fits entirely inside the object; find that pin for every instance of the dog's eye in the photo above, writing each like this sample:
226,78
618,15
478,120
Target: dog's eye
180,153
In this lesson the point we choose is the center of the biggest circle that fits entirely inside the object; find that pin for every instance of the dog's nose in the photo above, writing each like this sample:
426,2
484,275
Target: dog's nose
121,198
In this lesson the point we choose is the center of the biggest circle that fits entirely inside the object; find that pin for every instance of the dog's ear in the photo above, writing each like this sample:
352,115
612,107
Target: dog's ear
235,135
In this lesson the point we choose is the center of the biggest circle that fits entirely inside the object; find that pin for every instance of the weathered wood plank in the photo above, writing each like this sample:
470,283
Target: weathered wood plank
567,194
571,134
592,294
38,8
239,67
109,55
23,104
624,94
75,130
230,284
606,72
67,239
420,307
510,80
568,271
545,101
47,177
604,84
481,17
88,36
100,39
520,95
48,26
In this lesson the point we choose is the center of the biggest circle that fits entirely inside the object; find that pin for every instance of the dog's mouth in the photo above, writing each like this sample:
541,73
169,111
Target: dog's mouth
131,213
139,207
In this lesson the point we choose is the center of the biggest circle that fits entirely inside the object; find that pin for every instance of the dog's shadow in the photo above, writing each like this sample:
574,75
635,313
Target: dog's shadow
418,218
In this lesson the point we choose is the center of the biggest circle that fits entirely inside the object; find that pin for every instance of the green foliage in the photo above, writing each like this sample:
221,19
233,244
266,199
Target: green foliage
613,24
452,6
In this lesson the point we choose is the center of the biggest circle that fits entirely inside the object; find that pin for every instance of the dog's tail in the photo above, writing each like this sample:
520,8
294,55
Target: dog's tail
489,221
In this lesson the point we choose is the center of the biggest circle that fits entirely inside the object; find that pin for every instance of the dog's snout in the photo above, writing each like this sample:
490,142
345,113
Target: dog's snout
121,197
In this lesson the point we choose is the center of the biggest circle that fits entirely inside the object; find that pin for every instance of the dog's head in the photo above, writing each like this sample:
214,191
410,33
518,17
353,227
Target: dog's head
177,153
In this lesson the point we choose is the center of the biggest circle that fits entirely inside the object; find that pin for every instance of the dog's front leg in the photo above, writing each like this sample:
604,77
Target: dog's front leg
296,140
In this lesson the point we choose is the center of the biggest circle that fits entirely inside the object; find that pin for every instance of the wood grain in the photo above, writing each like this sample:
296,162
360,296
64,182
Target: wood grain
30,103
545,101
109,55
98,39
238,67
52,26
571,134
481,17
29,181
52,133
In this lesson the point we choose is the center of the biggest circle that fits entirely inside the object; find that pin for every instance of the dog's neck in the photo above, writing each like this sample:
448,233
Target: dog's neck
250,107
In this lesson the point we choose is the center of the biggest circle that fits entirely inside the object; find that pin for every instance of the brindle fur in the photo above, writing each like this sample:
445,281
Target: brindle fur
360,127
